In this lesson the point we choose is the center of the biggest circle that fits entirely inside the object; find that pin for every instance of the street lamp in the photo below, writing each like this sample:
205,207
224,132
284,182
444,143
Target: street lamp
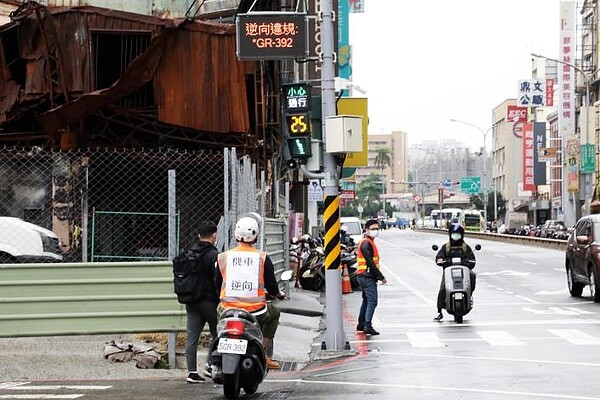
588,80
485,185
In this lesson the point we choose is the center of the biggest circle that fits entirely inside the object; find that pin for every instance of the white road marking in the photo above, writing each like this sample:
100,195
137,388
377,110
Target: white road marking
8,385
500,323
504,393
507,272
530,262
500,255
419,294
551,293
57,387
557,311
424,339
575,336
499,338
527,299
40,396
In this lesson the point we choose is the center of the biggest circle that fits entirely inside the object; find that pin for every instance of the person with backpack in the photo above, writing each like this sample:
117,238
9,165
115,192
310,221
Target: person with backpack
454,248
196,287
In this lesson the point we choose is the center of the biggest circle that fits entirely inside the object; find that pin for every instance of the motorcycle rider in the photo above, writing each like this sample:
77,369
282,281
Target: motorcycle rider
245,276
455,247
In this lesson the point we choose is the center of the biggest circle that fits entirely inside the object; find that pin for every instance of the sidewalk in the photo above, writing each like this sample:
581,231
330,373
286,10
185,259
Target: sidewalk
82,357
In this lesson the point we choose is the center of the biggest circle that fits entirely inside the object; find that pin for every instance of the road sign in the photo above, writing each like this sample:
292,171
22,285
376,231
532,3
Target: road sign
470,184
447,183
588,162
315,191
417,198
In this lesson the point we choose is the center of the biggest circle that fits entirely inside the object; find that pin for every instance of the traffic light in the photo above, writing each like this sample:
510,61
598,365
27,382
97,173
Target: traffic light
296,113
300,147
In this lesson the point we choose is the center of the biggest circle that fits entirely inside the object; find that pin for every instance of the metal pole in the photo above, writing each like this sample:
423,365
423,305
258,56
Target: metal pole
335,338
172,240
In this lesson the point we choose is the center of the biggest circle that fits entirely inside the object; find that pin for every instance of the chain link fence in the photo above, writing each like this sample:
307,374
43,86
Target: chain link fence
113,205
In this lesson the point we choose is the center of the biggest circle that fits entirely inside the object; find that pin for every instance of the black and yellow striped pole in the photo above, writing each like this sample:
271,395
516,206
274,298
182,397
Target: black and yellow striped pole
335,339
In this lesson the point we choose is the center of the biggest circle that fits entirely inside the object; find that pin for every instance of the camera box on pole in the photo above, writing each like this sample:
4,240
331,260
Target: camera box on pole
343,134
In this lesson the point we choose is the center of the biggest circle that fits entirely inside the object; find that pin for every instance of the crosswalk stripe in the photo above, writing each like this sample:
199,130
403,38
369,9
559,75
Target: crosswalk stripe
57,387
499,338
424,339
575,336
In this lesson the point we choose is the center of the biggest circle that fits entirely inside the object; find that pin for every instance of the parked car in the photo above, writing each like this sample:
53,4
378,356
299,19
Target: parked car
21,241
552,228
582,259
354,227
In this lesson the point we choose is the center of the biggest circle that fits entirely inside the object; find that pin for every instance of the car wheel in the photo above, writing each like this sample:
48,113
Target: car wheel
575,288
594,290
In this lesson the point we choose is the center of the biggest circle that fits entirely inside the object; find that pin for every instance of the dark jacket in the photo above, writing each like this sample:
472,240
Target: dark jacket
452,250
207,265
372,271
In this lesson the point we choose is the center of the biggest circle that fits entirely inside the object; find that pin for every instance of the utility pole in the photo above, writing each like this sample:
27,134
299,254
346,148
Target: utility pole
335,338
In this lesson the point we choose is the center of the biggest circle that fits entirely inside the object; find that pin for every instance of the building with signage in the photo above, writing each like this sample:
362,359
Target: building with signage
397,170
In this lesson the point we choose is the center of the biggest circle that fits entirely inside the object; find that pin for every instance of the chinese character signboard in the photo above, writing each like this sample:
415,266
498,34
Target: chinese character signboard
296,97
271,35
549,92
357,6
528,158
532,93
588,161
572,151
566,75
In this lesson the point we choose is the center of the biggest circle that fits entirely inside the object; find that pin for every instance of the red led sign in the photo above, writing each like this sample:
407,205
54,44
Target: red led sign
271,35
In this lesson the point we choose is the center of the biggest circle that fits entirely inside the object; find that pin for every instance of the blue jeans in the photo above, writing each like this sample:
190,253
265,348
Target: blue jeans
369,300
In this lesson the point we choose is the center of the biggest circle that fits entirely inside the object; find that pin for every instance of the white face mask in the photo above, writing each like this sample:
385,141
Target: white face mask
455,236
374,233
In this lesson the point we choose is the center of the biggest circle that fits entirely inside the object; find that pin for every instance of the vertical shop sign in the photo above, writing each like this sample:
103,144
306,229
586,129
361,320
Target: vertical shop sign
539,142
528,158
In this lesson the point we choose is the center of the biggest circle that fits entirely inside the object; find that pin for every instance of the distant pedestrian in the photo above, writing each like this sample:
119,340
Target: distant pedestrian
368,275
205,310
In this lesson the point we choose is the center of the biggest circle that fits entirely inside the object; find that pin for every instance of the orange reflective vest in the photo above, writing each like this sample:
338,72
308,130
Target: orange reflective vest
243,281
360,257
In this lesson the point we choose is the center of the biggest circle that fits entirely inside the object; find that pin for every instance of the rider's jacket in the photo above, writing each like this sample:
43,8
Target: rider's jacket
243,285
456,250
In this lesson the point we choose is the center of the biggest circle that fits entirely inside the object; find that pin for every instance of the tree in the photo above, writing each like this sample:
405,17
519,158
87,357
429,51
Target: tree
477,201
383,158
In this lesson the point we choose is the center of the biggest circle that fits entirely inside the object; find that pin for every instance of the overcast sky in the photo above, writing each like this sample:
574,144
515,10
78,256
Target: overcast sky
424,62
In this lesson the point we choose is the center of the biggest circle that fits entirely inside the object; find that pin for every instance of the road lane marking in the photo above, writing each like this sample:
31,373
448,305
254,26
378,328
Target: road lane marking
500,255
396,354
515,394
424,339
58,387
506,272
551,293
40,396
470,323
499,338
575,336
557,311
527,299
530,262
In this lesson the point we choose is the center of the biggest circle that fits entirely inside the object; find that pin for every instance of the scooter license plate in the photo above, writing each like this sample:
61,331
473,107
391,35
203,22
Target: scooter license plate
232,346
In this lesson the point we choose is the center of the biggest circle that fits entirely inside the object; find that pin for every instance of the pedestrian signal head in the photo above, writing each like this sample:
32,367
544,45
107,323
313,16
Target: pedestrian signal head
246,230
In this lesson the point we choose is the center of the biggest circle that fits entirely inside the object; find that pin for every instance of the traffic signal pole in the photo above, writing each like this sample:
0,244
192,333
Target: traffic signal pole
335,338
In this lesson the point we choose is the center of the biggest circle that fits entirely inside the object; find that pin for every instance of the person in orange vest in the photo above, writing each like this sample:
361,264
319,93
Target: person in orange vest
246,276
368,274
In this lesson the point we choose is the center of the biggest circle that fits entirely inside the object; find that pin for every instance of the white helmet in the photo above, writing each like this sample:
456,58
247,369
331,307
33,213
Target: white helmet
246,230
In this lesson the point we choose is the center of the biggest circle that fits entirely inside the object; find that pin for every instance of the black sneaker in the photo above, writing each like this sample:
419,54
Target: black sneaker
370,331
360,328
438,317
193,377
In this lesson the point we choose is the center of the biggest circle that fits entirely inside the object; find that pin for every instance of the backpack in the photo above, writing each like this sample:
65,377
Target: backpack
186,277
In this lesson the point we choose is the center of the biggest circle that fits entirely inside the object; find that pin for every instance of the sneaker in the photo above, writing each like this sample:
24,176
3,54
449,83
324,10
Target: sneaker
370,331
193,377
360,328
438,317
272,364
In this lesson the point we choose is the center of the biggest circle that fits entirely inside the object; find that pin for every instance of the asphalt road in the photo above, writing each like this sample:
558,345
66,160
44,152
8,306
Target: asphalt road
526,338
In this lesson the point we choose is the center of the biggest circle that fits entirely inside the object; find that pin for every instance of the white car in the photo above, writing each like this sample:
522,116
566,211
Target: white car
354,227
21,241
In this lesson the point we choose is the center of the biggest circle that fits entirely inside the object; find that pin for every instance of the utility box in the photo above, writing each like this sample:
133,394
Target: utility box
343,134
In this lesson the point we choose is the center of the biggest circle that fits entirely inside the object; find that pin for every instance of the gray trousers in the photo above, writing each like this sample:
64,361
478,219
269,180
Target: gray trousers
198,314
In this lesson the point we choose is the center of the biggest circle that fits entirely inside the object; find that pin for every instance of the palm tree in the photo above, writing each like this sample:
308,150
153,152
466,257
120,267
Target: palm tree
383,158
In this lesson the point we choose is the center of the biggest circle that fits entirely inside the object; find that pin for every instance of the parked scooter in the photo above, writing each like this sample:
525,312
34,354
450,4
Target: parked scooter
312,268
458,301
238,359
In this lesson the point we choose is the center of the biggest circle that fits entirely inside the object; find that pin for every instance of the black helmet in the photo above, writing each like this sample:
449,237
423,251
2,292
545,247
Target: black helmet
454,230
